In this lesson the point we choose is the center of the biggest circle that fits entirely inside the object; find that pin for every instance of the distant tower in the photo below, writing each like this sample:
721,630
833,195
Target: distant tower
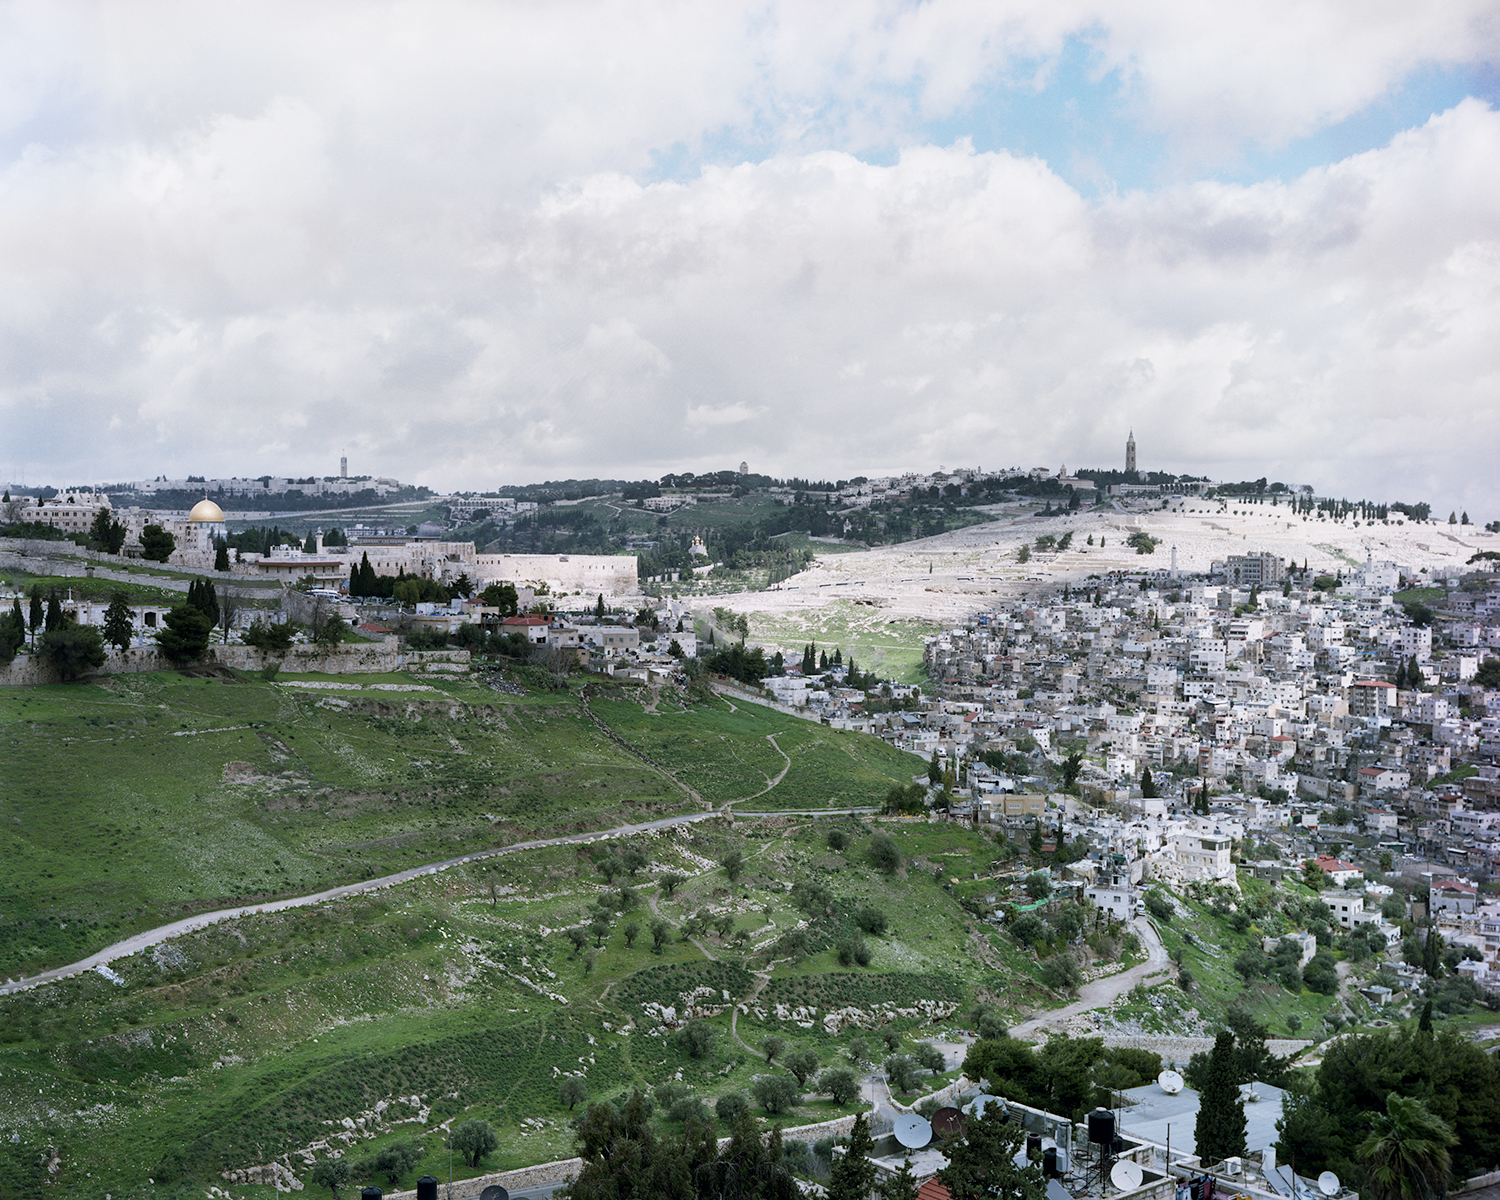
1174,564
344,467
744,468
1130,452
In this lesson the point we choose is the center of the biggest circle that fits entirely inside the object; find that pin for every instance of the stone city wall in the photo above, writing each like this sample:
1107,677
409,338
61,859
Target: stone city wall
29,670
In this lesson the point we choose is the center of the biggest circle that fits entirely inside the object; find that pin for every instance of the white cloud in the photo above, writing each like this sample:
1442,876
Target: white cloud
425,233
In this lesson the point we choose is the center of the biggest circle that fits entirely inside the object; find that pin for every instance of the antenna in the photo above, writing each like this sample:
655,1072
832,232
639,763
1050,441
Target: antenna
1126,1175
1170,1082
1328,1183
494,1192
912,1131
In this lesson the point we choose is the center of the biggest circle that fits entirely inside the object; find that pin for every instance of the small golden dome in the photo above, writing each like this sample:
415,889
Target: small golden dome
206,510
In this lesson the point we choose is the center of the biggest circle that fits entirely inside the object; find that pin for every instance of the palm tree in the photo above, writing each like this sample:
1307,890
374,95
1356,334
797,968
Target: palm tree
1406,1155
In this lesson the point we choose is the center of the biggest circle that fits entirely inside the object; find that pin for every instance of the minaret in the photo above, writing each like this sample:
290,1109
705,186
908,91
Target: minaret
1130,452
1174,564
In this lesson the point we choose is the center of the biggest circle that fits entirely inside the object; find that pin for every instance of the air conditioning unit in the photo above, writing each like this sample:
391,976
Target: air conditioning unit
1233,1166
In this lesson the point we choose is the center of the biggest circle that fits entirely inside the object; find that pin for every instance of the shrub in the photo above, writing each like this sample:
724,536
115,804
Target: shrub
803,1064
841,1084
931,1058
1160,906
838,840
1029,929
774,1047
884,854
776,1093
729,1106
571,1090
1062,973
853,950
901,1070
697,1038
473,1140
871,920
1038,885
332,1173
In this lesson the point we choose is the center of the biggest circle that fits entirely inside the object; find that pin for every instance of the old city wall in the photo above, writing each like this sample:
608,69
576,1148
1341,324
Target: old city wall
29,670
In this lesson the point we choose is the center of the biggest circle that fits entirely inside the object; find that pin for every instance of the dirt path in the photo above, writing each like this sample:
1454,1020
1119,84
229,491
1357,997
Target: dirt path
154,937
608,732
734,1013
1100,992
770,783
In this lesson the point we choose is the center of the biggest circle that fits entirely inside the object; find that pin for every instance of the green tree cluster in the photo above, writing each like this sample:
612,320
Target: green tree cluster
1325,1126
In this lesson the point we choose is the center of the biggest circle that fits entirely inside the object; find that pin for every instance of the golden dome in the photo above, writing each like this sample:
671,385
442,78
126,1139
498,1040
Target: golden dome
206,510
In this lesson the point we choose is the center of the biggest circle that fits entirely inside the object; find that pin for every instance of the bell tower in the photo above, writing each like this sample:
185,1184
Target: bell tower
1130,452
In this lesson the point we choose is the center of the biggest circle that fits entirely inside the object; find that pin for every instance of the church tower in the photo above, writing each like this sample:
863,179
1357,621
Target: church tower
1130,452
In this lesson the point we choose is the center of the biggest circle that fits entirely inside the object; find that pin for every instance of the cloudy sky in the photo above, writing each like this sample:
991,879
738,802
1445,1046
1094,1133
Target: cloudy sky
469,244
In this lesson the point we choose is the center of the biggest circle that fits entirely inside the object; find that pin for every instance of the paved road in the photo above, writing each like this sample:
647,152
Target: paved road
154,937
1099,992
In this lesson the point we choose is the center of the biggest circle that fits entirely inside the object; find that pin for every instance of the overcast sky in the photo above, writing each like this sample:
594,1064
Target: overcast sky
469,244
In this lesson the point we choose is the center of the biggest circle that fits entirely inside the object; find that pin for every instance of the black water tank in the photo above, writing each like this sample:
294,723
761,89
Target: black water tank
427,1188
1033,1146
1101,1127
1049,1162
371,1193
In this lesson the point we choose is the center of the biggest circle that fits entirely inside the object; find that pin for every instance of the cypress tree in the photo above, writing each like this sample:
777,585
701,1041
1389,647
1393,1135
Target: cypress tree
1220,1129
54,614
35,615
1431,962
853,1177
1424,1023
221,555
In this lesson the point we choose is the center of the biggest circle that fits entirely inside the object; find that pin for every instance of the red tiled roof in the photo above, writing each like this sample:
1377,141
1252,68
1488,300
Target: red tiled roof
933,1190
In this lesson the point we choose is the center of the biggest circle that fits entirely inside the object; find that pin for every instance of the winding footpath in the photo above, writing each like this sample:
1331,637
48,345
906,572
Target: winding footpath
1099,992
154,937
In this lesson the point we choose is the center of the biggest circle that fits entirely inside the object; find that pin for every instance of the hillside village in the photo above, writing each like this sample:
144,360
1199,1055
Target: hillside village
1214,738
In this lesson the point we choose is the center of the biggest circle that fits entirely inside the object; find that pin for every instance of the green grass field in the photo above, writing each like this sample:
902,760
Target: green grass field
350,1025
728,755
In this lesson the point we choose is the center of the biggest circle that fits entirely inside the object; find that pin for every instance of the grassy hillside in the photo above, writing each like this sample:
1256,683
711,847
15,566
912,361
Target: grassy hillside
357,1023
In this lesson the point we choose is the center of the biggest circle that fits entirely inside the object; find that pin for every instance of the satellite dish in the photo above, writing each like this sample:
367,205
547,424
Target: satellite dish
1170,1082
1328,1183
494,1192
1126,1175
976,1106
948,1122
912,1131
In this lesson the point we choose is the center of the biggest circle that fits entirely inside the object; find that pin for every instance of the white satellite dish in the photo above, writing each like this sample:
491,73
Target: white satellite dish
976,1106
1328,1183
912,1131
1170,1082
1126,1175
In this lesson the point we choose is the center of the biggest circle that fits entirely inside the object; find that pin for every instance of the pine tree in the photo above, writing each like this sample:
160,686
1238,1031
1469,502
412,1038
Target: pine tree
310,544
1220,1129
853,1176
900,1186
119,622
983,1164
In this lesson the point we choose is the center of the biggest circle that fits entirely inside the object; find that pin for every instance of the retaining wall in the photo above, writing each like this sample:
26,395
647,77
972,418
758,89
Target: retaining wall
568,1168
